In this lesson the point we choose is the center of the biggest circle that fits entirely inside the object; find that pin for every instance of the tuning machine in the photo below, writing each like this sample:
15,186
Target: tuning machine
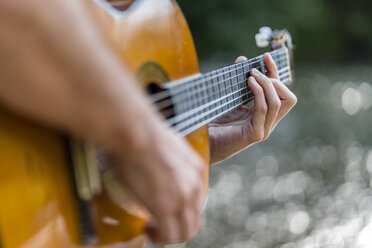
264,37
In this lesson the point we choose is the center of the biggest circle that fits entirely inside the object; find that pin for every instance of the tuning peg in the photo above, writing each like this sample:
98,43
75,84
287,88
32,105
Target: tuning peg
263,37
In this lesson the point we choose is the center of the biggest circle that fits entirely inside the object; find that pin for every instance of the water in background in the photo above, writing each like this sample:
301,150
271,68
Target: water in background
309,184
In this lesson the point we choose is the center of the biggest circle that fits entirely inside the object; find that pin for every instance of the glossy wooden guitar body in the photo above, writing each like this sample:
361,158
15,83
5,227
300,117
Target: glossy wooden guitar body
38,208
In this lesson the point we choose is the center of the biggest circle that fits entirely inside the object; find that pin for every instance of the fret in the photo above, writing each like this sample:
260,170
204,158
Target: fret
277,60
200,100
205,94
201,89
188,99
199,95
257,63
246,71
178,108
251,64
205,90
246,68
217,89
222,85
227,84
240,79
281,61
287,73
284,60
196,92
183,102
209,88
211,93
234,81
194,96
190,94
254,63
262,65
287,59
186,128
231,84
215,93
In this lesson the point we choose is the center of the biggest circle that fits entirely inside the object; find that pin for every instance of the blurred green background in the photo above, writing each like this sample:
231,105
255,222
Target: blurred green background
309,184
323,30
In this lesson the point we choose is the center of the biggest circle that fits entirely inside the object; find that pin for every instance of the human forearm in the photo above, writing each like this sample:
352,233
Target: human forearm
63,73
67,78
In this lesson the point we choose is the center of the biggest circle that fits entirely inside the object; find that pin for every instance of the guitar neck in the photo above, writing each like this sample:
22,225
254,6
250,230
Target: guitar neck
199,100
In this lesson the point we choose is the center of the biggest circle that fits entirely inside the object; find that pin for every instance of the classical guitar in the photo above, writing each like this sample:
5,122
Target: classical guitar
55,193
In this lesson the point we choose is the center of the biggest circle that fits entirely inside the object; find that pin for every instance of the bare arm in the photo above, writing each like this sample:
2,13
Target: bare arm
56,68
62,73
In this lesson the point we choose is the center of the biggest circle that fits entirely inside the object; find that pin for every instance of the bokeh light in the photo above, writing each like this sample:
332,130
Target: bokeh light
351,101
311,188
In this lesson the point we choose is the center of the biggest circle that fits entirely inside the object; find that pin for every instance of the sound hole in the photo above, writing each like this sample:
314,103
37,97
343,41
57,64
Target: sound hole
164,104
121,5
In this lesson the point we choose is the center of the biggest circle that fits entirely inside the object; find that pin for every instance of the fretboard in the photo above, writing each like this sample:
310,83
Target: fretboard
199,100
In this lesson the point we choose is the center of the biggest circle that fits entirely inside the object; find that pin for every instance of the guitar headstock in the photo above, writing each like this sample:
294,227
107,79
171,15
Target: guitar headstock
276,39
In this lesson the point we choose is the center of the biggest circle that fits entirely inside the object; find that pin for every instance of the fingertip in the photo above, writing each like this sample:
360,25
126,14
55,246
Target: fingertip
268,58
271,66
255,72
240,59
252,81
150,229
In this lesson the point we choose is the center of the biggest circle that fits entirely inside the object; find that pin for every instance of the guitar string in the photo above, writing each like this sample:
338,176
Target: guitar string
198,125
185,115
218,93
165,94
168,113
184,85
199,118
204,89
223,71
199,122
197,110
236,67
168,102
224,83
201,108
174,89
180,116
229,88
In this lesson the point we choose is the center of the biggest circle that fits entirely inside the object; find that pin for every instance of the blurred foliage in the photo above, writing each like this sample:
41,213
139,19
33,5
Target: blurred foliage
332,31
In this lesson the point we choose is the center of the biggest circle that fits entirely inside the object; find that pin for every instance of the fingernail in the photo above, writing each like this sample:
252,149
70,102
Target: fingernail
271,58
252,80
254,70
269,55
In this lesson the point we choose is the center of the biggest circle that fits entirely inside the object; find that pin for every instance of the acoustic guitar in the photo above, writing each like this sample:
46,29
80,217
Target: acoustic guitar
53,190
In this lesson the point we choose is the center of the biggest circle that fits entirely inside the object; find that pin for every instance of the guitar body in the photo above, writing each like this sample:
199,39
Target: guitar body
38,203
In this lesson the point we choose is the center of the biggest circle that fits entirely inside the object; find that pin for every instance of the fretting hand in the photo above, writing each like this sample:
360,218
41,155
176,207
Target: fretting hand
249,125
